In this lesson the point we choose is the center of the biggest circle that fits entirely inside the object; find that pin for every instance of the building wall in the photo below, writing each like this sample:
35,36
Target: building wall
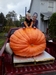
47,6
42,6
36,8
55,6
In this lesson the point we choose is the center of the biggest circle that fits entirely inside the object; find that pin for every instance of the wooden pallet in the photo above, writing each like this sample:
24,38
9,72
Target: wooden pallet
38,60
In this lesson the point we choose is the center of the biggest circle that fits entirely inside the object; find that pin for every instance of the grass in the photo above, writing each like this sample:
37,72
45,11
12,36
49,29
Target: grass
1,42
2,36
2,33
2,39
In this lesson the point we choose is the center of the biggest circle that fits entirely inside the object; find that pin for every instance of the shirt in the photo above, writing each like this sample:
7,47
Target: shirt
35,24
28,21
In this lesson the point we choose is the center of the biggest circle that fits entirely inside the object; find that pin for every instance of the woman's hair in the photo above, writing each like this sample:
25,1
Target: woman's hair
35,14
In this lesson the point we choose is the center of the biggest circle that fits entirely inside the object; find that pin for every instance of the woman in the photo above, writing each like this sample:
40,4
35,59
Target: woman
35,21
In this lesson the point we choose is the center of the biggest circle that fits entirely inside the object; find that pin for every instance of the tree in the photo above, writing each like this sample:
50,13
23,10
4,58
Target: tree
11,15
17,23
10,24
21,19
52,26
2,19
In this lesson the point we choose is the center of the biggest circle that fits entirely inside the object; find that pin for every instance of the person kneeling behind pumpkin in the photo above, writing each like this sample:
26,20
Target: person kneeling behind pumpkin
28,21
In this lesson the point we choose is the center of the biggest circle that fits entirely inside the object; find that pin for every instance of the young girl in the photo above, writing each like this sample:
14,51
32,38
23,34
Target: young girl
28,21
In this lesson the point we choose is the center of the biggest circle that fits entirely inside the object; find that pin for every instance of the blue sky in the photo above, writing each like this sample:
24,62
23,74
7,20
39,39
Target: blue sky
17,5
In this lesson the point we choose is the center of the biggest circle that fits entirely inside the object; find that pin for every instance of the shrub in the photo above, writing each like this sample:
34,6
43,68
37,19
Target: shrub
52,26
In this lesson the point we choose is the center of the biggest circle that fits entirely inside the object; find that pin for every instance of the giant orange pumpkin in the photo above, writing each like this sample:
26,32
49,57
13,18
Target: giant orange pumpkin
27,42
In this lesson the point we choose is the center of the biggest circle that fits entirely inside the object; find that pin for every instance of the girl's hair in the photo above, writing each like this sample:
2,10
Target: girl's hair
28,14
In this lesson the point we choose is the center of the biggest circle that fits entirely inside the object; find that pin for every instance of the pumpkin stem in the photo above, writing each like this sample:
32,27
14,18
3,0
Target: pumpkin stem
32,44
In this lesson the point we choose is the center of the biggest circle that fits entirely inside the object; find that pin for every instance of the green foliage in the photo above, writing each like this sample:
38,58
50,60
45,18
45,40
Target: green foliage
10,21
2,33
1,42
10,24
2,39
2,19
17,23
52,26
21,19
11,15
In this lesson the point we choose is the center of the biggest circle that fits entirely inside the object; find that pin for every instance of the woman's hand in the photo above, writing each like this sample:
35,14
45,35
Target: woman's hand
34,27
23,27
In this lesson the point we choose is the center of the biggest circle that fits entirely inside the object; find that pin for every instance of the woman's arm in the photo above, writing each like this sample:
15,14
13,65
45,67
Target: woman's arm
25,24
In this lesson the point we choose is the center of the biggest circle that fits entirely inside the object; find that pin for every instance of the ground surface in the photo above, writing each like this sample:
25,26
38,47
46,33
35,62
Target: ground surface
2,38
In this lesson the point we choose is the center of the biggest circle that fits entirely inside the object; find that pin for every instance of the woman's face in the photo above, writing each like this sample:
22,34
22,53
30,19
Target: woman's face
34,18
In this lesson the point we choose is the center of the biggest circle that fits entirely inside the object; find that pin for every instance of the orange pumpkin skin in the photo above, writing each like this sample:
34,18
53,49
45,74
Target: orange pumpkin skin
27,42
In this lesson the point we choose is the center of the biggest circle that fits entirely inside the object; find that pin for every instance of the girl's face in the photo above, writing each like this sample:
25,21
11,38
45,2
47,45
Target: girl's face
28,17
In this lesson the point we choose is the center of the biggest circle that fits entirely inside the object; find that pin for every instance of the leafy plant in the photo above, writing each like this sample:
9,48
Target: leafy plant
52,26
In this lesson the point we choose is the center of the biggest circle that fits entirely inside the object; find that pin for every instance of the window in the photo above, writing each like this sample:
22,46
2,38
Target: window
50,6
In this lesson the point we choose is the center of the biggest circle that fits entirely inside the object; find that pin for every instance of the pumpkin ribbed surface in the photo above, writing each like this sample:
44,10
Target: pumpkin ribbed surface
27,42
